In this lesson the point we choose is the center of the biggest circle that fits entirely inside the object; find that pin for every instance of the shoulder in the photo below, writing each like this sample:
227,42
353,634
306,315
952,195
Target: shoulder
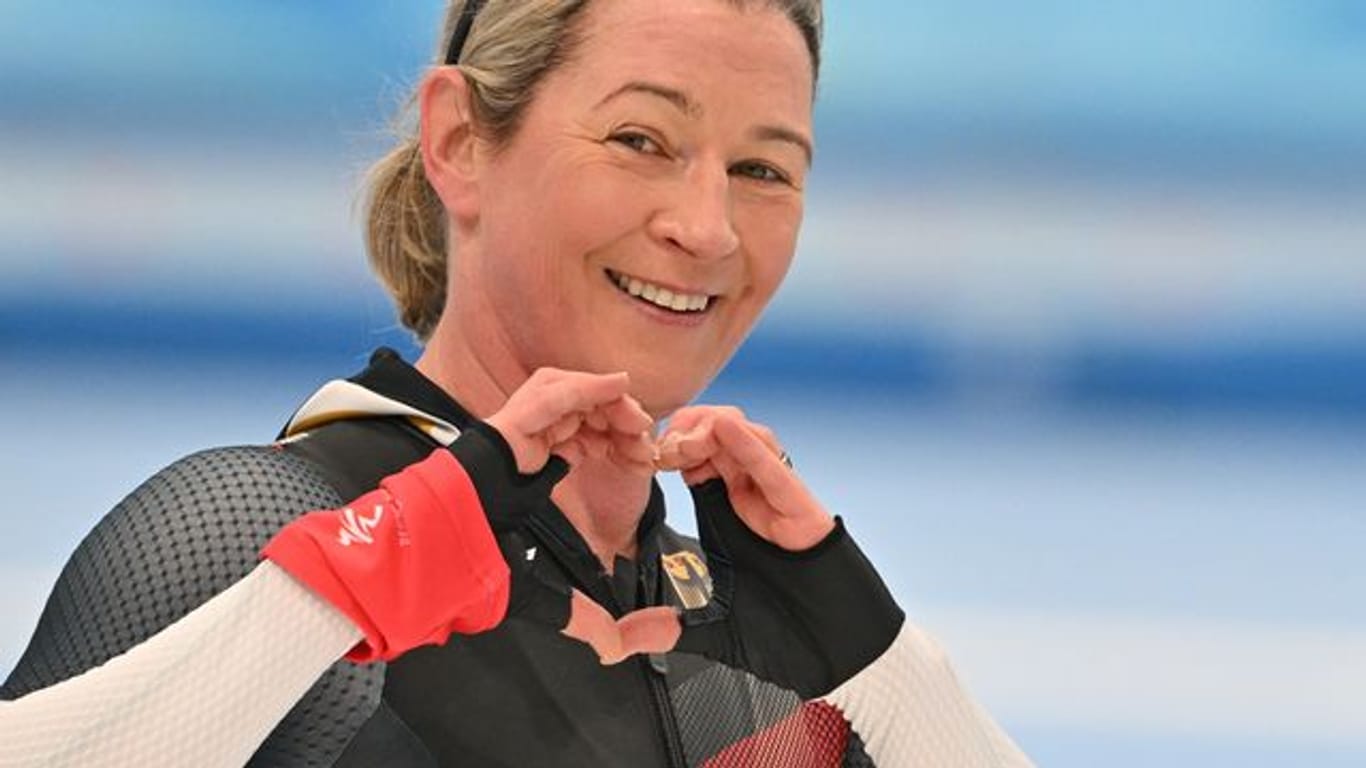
186,534
178,539
355,454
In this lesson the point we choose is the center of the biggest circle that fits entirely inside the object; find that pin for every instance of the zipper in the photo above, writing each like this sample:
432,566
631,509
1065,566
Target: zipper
664,709
599,588
656,669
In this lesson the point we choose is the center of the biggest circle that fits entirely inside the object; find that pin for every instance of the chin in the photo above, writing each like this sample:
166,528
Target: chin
661,393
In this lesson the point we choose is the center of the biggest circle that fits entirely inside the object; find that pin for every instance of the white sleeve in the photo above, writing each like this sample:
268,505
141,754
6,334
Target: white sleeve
910,709
205,691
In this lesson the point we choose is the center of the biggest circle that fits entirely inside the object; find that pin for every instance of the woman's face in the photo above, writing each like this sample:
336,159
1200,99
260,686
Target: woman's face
662,164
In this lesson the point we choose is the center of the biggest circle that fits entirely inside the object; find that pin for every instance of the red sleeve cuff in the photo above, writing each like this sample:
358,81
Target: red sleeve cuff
408,563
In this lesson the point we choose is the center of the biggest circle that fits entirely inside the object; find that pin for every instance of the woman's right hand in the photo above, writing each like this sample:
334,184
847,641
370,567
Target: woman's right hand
576,415
437,548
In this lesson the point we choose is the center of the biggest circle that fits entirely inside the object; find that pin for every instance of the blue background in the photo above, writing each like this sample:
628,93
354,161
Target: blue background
1076,339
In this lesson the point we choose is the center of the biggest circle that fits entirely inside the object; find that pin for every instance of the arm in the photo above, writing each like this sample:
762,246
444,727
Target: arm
226,662
404,565
795,602
910,709
207,689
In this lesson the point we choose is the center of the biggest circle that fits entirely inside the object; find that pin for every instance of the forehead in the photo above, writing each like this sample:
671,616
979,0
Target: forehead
711,49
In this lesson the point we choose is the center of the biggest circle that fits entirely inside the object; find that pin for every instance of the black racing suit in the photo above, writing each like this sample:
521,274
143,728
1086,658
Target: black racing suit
520,695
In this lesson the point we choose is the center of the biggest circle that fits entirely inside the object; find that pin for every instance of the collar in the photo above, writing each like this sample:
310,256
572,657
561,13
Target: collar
389,386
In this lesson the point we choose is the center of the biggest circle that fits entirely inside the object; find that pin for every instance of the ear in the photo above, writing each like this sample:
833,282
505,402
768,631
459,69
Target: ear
449,141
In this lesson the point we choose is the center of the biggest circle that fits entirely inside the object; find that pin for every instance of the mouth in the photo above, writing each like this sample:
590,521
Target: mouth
667,299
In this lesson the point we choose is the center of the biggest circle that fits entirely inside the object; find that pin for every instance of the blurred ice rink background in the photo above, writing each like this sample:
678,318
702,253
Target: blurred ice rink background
1076,339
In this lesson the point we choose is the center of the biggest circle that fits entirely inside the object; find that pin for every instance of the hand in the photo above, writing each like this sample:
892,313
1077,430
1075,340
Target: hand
706,442
573,415
614,640
793,599
438,549
576,415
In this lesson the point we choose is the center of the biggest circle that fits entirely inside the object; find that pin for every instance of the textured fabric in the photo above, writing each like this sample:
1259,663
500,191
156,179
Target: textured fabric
805,620
203,692
183,536
520,694
730,719
410,562
911,710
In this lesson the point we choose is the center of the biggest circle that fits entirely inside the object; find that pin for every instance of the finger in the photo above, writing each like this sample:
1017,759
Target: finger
591,624
689,418
627,415
700,474
563,429
686,450
636,449
592,445
767,436
686,418
596,420
753,457
571,451
572,391
649,630
731,473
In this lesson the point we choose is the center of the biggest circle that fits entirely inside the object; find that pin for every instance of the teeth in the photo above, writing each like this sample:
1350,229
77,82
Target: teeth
662,297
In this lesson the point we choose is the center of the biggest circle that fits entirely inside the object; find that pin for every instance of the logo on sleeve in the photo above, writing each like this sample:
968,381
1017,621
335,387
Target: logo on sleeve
357,528
690,578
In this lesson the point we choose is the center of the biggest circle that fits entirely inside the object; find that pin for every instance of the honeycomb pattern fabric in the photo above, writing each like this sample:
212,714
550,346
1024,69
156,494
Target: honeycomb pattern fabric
912,710
203,692
182,537
727,718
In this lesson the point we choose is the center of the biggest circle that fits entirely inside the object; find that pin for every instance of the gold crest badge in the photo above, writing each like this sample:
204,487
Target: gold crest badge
689,576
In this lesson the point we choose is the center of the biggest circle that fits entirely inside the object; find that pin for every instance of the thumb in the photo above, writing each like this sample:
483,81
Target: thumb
649,630
591,624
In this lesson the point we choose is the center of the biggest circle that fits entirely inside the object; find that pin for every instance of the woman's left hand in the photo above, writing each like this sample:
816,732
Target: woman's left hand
792,599
705,442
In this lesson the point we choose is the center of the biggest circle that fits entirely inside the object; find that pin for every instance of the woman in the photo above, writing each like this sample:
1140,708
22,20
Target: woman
599,201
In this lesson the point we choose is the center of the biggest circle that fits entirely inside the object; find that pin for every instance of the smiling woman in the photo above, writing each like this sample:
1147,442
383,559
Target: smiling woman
688,182
598,202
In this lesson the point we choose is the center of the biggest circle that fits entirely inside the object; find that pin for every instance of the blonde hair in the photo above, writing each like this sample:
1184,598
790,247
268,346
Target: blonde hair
511,46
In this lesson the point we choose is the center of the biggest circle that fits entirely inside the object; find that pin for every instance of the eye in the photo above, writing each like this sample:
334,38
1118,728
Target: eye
637,142
760,171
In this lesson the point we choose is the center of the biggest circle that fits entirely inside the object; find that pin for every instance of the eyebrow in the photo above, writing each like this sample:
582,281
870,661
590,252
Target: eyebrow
679,99
683,103
779,133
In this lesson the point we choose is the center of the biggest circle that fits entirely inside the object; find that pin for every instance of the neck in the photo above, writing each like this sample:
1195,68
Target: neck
476,368
470,374
605,505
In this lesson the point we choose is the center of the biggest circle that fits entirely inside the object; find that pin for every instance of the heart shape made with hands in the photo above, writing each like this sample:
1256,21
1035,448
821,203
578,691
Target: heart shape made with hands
648,630
577,416
703,443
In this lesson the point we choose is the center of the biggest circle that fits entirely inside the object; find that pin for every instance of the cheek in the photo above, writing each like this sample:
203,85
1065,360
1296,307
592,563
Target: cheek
770,236
567,223
597,206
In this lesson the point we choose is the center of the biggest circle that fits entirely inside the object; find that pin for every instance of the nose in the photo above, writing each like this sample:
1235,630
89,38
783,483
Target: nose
696,217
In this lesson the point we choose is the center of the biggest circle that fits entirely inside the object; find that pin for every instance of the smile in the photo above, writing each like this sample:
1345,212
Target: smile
661,297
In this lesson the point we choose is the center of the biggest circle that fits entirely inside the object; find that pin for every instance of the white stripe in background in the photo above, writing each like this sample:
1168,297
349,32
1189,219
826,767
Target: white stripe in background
1247,681
1017,260
1254,683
